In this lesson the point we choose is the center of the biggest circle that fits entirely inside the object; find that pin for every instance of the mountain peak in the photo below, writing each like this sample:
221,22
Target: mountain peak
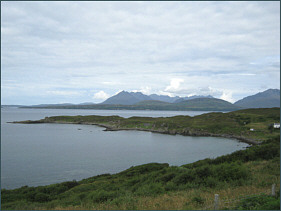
266,99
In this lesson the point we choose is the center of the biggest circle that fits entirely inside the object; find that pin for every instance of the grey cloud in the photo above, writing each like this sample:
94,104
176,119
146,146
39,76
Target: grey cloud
125,42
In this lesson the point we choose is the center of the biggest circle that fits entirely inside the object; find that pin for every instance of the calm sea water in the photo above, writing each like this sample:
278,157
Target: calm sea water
42,154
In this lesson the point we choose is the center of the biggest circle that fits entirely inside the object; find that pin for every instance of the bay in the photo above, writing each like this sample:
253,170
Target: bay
43,154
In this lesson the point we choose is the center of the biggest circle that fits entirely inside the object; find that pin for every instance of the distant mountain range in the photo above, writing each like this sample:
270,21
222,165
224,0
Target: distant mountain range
131,98
267,99
126,98
197,104
139,101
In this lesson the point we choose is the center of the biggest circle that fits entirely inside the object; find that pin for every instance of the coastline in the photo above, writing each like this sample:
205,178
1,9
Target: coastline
161,130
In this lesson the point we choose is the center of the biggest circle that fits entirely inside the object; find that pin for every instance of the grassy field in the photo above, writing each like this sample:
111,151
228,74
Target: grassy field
156,186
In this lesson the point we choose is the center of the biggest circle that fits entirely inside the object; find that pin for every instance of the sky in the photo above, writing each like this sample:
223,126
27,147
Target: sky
76,52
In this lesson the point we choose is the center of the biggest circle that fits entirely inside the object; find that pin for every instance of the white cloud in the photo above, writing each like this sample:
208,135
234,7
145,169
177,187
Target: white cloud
174,85
101,95
227,96
145,90
160,92
114,46
118,92
65,93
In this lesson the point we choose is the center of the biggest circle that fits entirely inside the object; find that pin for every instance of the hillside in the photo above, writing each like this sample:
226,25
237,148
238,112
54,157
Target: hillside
267,99
164,98
210,104
140,96
152,103
192,97
130,98
122,98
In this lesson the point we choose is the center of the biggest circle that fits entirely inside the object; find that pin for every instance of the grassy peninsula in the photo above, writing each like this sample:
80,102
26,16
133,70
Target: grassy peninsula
249,125
158,186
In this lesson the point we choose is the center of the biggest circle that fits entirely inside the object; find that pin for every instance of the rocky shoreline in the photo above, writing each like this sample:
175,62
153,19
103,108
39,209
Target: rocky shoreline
160,130
239,138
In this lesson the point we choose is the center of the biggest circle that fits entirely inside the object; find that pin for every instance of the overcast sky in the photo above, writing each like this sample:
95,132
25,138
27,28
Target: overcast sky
75,52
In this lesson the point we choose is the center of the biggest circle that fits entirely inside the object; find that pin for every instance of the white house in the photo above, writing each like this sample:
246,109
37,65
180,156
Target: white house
276,125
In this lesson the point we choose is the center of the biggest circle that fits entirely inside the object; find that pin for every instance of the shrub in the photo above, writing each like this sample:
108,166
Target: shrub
103,196
41,197
260,202
203,172
150,189
30,196
184,178
171,186
198,200
211,182
166,177
232,171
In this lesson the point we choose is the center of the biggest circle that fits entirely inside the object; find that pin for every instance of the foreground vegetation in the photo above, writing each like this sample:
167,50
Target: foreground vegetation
236,124
160,186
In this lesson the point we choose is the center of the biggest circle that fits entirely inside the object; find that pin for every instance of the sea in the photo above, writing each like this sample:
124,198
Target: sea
44,154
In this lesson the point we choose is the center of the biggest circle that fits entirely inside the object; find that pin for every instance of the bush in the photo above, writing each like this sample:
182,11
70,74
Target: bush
150,189
166,177
211,182
103,196
70,184
171,186
184,178
232,171
203,172
198,200
260,202
41,197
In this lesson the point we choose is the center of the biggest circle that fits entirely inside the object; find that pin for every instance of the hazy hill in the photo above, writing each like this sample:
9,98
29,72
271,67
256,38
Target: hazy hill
124,98
164,98
59,104
140,96
12,106
130,98
267,99
211,104
153,102
192,97
203,104
87,103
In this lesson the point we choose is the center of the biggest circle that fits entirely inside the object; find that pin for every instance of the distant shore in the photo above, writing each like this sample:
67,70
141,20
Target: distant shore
249,125
160,130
